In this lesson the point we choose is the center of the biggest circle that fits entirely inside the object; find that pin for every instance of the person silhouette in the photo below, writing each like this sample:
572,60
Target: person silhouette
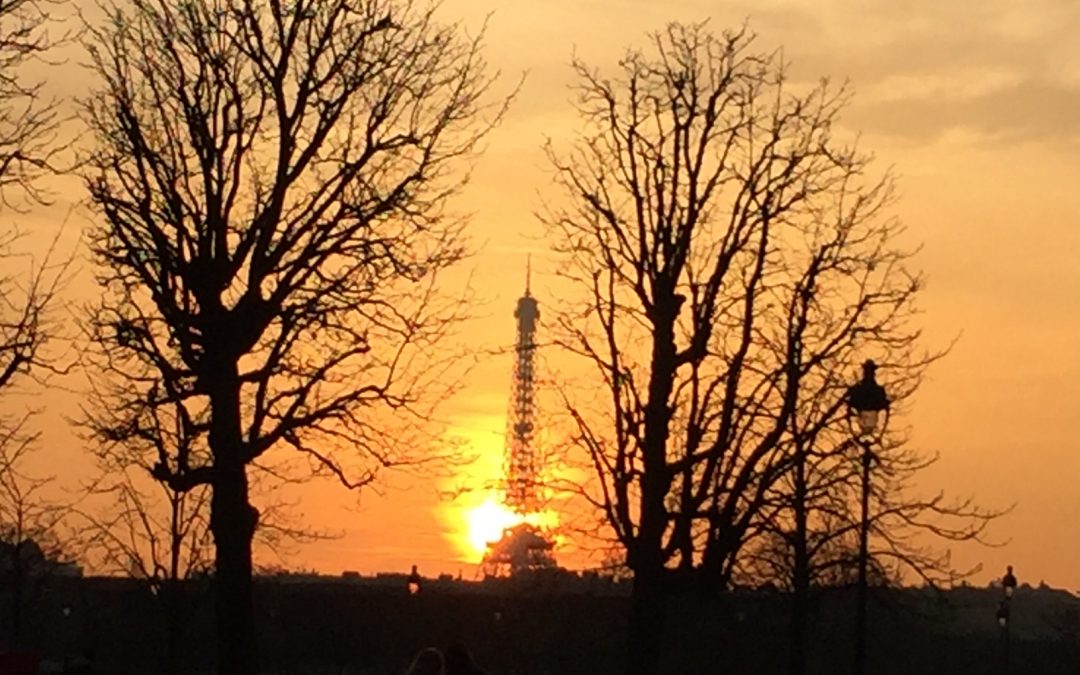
428,661
458,661
414,581
1009,582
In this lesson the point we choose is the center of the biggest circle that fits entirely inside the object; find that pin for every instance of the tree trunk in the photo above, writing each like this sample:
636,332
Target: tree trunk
800,573
17,593
717,550
233,524
171,586
170,596
648,596
682,533
647,558
647,623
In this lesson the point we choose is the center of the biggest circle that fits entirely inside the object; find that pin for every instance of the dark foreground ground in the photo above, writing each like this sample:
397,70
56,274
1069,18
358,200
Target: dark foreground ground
358,626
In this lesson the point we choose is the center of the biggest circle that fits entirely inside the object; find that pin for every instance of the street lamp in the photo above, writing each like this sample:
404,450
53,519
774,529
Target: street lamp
866,403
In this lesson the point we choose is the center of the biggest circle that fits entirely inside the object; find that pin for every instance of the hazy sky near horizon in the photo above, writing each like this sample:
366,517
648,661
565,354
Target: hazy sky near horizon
976,106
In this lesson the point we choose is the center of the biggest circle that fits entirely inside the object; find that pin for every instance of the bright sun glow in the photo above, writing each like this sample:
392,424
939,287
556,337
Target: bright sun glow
486,523
478,517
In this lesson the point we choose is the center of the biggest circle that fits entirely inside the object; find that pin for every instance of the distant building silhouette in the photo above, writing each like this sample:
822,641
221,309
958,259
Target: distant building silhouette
522,548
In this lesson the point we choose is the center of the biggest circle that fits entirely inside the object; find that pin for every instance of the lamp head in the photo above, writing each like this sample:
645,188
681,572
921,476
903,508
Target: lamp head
867,399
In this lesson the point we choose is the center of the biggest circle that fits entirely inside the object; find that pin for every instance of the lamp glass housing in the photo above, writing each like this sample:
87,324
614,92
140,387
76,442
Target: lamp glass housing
868,421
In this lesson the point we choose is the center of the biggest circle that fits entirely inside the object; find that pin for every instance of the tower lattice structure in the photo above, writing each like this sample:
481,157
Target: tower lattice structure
524,547
522,467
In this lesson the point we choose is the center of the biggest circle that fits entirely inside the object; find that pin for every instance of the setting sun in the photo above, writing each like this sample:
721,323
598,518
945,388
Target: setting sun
485,524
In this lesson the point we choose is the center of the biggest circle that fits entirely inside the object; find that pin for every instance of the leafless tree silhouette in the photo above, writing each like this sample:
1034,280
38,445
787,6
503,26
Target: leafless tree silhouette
807,534
900,522
737,261
29,123
31,541
146,529
29,149
271,181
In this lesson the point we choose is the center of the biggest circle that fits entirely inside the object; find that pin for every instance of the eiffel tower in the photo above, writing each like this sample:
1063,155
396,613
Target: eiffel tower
524,547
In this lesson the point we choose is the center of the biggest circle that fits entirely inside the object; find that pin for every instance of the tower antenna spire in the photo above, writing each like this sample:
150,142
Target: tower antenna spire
528,273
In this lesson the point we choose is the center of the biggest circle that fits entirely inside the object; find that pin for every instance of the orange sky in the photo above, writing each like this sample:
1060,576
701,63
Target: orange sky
976,105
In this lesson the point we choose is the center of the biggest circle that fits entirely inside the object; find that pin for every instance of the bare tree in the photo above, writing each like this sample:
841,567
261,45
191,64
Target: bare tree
29,515
906,528
30,539
31,543
148,530
736,261
29,122
808,533
272,181
29,148
152,532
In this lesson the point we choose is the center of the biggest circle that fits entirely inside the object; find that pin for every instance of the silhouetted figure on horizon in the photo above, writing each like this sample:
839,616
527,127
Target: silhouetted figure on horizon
458,661
428,661
1008,582
414,581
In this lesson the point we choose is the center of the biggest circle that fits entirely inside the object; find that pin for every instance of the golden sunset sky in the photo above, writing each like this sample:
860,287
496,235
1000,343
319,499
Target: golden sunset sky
976,105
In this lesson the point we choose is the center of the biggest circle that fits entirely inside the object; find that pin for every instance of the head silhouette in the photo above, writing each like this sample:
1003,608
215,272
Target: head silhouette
459,662
427,662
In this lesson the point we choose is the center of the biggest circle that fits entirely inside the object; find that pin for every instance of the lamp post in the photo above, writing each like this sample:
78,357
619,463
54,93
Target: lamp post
866,403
